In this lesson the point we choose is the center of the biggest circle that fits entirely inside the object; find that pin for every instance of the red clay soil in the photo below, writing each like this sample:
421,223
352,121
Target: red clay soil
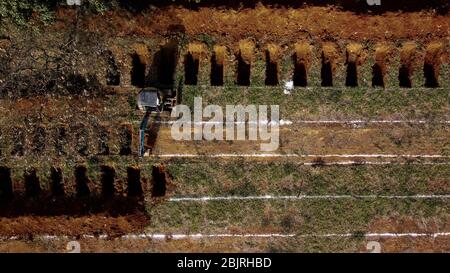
282,25
27,226
224,245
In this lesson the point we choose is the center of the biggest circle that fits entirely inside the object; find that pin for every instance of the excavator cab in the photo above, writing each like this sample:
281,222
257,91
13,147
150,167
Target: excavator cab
149,100
155,100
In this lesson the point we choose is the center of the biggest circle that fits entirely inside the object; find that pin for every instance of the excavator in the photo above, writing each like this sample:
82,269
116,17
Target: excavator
155,100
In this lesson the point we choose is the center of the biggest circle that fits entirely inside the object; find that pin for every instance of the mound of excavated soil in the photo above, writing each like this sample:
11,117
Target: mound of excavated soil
27,226
283,25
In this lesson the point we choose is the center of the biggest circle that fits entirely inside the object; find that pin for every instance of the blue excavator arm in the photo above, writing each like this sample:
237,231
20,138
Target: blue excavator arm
142,129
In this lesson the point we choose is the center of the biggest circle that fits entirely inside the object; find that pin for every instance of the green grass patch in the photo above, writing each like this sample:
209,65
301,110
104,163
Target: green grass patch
302,217
332,103
241,178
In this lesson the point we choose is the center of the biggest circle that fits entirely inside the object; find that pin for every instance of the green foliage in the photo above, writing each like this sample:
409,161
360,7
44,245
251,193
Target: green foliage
21,11
207,39
97,6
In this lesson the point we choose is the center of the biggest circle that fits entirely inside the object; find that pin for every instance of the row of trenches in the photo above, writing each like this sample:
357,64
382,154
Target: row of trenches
53,188
303,56
141,68
61,140
83,186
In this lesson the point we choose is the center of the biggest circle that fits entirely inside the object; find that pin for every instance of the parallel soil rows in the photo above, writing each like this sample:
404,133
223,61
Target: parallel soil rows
68,160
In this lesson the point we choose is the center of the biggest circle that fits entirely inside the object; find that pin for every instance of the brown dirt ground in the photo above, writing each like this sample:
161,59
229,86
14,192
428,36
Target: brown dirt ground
97,225
319,140
27,226
401,224
409,244
281,25
440,244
